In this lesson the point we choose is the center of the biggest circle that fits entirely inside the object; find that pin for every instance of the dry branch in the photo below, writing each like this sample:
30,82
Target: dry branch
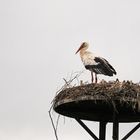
74,76
54,128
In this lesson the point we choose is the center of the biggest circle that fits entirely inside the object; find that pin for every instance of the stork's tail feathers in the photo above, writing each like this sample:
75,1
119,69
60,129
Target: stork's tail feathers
112,69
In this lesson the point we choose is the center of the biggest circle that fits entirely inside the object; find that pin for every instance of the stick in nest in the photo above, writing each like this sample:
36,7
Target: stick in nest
54,128
66,85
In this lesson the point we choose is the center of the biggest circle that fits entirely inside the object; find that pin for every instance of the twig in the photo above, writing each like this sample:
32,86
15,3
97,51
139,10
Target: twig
57,122
68,82
55,130
66,85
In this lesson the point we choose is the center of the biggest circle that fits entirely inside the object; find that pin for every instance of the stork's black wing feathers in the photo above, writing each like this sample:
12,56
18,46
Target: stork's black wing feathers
104,67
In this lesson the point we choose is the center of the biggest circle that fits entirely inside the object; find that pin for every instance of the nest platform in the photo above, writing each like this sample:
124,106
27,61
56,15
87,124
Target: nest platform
104,102
98,102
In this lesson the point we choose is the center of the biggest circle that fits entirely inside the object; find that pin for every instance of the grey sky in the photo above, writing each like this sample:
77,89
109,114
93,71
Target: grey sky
38,40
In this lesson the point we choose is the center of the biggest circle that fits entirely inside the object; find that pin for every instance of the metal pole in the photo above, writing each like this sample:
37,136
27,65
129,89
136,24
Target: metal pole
102,131
87,129
131,132
115,127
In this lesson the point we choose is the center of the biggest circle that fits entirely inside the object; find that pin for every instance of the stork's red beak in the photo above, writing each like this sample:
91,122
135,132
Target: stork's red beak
79,49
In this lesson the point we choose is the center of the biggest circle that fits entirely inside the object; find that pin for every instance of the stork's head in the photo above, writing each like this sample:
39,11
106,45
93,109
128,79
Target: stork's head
83,46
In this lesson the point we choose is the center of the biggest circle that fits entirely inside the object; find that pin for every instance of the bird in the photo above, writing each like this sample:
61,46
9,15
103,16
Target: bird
95,64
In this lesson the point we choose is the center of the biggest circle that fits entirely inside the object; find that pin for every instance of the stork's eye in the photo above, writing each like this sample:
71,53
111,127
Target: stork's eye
84,44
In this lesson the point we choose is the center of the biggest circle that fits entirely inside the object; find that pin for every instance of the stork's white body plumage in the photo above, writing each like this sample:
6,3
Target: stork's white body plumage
94,63
88,58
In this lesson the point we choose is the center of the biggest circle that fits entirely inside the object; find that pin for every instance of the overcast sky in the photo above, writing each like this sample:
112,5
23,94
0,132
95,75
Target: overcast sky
38,41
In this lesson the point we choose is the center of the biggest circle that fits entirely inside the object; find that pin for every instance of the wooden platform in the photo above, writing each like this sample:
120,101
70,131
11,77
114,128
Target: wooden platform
98,102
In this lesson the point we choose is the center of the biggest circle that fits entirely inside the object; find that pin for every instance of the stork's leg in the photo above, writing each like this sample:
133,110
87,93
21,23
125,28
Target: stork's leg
96,78
92,78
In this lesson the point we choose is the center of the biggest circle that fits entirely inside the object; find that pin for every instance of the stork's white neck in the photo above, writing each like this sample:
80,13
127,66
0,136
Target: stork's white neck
83,51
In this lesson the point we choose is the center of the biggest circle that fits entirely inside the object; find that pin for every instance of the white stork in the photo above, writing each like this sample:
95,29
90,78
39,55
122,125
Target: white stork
95,64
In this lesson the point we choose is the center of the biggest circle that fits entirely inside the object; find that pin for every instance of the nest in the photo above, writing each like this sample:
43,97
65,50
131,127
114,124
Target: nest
123,97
